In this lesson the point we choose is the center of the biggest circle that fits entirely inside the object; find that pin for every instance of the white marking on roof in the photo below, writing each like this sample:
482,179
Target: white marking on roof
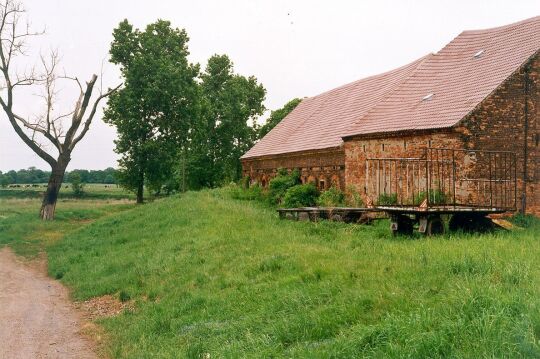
478,54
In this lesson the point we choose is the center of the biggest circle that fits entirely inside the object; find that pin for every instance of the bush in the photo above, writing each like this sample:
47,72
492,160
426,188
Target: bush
279,185
352,197
302,195
76,184
332,197
253,193
387,199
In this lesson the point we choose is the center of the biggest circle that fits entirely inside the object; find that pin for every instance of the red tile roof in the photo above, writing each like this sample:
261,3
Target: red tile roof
394,101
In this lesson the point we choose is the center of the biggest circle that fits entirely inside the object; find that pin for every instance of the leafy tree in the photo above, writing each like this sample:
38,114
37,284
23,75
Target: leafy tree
77,186
154,111
4,180
277,115
227,128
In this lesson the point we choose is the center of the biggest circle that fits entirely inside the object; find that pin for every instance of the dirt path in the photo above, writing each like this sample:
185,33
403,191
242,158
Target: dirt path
37,320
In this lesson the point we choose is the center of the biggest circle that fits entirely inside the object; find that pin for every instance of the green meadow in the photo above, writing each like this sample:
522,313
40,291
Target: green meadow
210,276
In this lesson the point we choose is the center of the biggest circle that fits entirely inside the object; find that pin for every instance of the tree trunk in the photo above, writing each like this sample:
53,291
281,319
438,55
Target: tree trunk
140,187
48,206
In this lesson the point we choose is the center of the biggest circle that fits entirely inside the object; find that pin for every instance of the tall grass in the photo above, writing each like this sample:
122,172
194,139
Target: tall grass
217,277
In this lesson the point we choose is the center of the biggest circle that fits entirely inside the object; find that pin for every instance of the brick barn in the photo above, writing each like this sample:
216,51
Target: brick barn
480,92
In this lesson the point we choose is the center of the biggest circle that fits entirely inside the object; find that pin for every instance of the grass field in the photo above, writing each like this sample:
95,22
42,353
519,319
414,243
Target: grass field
214,277
91,191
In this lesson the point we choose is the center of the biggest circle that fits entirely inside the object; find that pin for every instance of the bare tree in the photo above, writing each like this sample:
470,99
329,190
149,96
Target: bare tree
61,132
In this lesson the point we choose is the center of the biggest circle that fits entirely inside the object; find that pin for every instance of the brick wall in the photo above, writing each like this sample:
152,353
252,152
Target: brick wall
411,145
323,167
499,124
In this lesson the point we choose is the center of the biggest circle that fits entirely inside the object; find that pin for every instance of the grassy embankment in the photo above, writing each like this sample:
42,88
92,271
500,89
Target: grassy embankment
210,274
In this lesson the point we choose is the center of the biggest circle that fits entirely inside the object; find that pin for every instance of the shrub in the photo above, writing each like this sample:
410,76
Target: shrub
253,193
76,184
332,197
352,197
302,195
387,199
279,185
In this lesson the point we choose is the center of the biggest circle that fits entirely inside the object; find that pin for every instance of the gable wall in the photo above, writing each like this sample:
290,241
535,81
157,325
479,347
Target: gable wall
499,124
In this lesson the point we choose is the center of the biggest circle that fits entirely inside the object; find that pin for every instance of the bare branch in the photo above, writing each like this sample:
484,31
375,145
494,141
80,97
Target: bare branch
14,34
88,121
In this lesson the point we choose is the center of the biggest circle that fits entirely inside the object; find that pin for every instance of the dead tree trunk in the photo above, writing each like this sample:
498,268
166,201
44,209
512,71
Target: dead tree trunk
50,197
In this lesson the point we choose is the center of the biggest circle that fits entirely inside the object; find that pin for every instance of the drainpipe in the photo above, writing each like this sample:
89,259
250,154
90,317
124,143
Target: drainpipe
525,140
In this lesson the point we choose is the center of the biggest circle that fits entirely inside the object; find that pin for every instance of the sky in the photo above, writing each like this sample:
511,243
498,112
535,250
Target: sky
295,48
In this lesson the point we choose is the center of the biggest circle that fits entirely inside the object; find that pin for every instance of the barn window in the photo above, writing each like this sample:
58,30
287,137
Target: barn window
537,139
382,146
322,184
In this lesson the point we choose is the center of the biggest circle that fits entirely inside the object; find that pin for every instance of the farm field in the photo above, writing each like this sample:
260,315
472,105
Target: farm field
212,276
91,191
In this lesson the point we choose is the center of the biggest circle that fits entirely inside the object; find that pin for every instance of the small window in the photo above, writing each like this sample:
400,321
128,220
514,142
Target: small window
322,184
382,146
364,146
537,139
405,145
429,143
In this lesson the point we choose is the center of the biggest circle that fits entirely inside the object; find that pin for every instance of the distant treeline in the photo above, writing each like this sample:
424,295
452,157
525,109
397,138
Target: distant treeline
33,175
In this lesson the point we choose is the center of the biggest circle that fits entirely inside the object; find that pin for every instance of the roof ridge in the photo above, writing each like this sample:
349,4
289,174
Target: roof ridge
371,77
502,27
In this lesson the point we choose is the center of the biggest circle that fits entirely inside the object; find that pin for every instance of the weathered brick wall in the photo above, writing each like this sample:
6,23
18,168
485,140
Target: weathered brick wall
367,177
324,168
499,123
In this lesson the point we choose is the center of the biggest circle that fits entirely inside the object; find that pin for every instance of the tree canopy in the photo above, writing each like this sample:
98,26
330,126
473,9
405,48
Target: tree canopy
154,111
227,127
177,127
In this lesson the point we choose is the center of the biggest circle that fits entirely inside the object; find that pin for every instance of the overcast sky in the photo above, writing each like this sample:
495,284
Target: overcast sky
296,48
